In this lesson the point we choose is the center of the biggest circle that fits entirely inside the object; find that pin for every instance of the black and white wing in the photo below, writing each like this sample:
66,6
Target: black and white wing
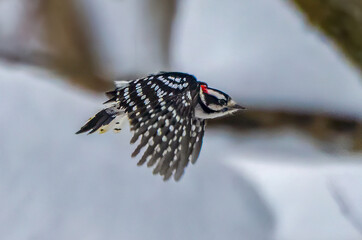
161,113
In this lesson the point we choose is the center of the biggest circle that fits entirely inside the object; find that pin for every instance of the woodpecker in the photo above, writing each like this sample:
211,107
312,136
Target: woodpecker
167,112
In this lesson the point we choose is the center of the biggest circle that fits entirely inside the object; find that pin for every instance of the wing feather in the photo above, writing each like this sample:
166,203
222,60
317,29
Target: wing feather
162,119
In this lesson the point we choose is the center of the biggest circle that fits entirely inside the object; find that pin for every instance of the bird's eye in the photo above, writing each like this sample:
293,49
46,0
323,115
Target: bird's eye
222,102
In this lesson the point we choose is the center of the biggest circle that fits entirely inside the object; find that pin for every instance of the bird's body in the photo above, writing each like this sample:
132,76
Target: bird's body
167,111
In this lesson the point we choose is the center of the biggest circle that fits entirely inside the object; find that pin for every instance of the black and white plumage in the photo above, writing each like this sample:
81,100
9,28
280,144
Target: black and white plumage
167,113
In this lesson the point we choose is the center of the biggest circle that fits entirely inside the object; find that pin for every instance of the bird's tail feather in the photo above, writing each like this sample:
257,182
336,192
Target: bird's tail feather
103,121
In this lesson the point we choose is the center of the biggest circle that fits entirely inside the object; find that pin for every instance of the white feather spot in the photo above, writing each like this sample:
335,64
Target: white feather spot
159,132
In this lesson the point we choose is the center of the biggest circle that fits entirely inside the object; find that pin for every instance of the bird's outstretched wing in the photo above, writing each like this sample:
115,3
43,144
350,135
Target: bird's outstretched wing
160,109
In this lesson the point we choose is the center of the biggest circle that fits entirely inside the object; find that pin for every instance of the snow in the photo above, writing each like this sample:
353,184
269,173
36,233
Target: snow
348,199
302,196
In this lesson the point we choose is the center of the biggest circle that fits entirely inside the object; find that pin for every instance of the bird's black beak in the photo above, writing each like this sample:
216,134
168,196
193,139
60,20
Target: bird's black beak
233,105
238,107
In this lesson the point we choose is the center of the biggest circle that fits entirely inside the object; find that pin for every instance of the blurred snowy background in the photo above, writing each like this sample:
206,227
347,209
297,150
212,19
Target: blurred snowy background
289,168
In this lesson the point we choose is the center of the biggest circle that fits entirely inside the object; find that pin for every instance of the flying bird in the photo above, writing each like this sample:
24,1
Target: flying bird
167,112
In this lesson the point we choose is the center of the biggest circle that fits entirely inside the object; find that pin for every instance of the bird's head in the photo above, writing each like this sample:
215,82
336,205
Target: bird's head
216,103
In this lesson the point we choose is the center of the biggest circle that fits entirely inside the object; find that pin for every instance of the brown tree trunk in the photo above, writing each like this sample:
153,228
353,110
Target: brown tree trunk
69,39
341,20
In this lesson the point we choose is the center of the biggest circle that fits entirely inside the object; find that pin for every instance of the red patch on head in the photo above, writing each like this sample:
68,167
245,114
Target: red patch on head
204,88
